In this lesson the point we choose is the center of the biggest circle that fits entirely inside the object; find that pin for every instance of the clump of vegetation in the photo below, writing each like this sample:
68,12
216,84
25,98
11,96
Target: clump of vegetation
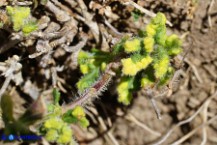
56,127
145,60
20,19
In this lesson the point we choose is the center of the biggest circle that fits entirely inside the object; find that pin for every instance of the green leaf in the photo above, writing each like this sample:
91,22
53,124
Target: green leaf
124,90
159,19
84,122
118,47
51,135
136,14
7,108
50,107
87,80
84,57
136,57
167,77
19,16
147,77
173,45
54,123
161,62
160,36
56,96
69,118
28,28
78,112
77,115
101,56
65,136
142,33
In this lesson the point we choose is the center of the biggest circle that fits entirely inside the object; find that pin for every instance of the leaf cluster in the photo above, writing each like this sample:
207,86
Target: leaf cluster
145,60
56,126
20,19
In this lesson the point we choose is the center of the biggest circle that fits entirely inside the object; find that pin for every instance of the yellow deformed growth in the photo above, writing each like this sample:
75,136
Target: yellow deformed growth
51,135
66,135
173,45
19,16
84,68
78,112
83,56
161,67
132,45
28,28
57,130
144,62
146,82
53,123
103,66
85,61
150,30
131,68
124,96
148,44
159,19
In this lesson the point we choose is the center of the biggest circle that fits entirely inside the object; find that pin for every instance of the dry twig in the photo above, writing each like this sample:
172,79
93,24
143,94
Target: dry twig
142,125
143,10
11,70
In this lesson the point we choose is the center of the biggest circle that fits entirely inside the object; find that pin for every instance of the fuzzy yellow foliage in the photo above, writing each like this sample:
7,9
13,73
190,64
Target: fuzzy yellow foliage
150,30
103,66
28,28
132,45
66,135
78,112
144,62
131,68
122,87
84,57
125,98
53,123
161,67
146,82
149,44
124,95
173,44
51,135
159,19
84,68
19,16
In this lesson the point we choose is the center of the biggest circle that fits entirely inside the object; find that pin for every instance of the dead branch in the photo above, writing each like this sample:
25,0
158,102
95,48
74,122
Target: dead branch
142,125
11,71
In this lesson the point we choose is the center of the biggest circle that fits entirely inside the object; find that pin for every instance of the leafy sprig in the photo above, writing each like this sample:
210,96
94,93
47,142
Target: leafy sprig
146,60
21,20
56,126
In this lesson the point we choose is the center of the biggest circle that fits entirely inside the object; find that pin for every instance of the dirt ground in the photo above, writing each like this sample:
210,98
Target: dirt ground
112,123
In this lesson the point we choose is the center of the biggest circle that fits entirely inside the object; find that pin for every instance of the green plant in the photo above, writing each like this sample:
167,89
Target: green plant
56,126
145,60
20,19
136,14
